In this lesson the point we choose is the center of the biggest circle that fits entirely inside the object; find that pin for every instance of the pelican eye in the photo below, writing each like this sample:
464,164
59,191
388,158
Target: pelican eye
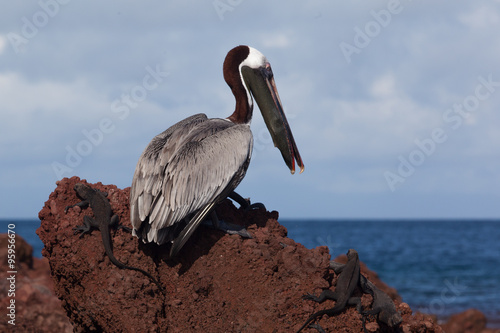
267,71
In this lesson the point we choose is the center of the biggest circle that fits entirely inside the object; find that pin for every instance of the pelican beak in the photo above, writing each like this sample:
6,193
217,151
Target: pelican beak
261,83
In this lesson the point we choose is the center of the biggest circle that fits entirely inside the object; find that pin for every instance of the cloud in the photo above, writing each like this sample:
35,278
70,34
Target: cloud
276,40
484,17
385,86
3,44
351,121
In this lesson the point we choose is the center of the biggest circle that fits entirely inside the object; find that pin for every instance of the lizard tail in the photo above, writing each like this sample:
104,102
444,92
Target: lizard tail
311,318
149,276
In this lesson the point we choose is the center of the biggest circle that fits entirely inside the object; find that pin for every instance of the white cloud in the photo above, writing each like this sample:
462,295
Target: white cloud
384,86
40,119
56,102
276,40
3,44
371,128
482,17
350,121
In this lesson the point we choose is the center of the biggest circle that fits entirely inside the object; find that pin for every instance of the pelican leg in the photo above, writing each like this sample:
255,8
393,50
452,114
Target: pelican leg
228,228
215,220
245,203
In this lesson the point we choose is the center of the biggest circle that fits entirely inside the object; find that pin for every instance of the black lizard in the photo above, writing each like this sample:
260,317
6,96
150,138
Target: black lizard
104,219
382,305
346,284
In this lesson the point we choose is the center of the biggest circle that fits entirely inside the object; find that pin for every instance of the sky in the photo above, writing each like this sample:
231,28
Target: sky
394,105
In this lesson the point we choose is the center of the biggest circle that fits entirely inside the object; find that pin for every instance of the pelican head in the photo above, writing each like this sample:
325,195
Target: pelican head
255,75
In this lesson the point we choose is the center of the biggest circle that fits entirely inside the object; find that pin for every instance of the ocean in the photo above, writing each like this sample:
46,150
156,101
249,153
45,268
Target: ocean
437,266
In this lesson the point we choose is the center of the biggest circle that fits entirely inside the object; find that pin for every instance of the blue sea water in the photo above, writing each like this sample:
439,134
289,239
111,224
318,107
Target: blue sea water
440,267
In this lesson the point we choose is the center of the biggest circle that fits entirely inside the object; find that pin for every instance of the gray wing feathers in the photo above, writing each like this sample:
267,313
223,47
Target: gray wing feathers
147,182
195,164
190,228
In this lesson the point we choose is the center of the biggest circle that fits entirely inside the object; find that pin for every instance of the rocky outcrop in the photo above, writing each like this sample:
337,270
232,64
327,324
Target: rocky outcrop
27,293
469,321
218,283
22,250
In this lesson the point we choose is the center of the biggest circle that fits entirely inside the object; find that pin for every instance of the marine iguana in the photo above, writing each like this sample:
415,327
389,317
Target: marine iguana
104,219
346,284
382,305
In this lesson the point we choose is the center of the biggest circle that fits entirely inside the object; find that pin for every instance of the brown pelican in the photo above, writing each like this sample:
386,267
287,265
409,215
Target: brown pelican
189,168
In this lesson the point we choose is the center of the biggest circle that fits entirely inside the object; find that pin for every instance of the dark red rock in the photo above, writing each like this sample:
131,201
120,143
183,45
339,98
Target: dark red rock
23,251
37,308
218,283
469,321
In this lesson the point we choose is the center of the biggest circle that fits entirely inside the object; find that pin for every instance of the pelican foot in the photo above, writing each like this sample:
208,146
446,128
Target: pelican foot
234,229
245,203
257,205
228,228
